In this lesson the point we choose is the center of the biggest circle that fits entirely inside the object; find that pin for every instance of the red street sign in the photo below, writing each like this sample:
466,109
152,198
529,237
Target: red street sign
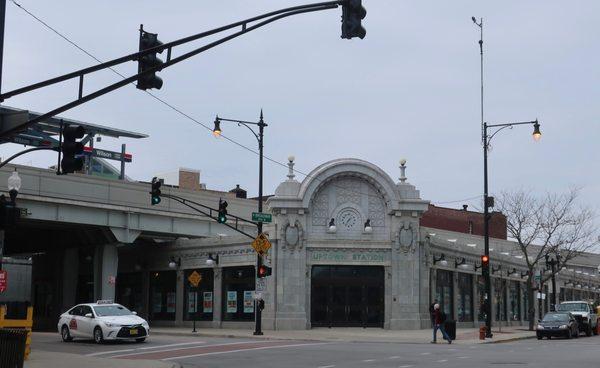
3,280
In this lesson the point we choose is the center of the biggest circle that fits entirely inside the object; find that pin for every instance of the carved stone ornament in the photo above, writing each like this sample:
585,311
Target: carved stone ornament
293,236
406,238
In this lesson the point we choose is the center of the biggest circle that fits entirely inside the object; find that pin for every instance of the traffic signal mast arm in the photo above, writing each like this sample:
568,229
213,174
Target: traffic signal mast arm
192,204
268,18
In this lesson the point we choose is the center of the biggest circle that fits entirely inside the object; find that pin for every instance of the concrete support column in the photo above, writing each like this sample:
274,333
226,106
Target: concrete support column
70,272
179,290
145,294
217,297
106,261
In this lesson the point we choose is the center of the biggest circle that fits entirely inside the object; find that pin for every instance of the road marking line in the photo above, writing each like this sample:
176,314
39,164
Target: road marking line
442,360
394,357
326,366
145,348
182,348
242,350
109,352
170,345
405,366
425,353
463,357
368,360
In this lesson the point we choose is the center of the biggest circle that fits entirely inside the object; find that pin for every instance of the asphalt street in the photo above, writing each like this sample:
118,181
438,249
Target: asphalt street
207,352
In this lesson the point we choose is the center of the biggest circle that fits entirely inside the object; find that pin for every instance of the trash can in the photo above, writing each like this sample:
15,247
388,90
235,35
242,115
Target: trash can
12,347
482,331
450,327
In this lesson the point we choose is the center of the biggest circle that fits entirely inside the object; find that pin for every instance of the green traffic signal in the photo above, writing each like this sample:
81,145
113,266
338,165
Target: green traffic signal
155,192
222,217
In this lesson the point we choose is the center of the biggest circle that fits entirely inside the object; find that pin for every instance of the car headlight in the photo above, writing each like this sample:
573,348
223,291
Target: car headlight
108,324
540,327
585,315
563,326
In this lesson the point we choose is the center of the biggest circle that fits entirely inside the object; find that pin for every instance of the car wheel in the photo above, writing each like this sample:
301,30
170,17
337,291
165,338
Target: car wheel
98,337
141,339
569,334
65,334
576,334
588,331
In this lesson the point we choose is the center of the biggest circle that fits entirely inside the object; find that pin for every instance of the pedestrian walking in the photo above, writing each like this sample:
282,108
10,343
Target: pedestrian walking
431,309
439,318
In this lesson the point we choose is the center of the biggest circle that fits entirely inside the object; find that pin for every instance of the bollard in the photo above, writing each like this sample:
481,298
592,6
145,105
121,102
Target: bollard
482,330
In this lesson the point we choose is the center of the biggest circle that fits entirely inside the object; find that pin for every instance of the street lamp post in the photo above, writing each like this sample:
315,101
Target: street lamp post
553,264
261,126
489,202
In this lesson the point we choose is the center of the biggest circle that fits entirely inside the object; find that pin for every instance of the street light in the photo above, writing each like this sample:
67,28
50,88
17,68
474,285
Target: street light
259,137
552,263
489,202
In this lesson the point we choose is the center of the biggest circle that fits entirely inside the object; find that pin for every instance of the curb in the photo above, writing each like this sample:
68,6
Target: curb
276,338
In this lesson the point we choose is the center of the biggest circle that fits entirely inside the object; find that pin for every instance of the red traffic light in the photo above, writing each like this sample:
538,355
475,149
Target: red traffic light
263,271
485,260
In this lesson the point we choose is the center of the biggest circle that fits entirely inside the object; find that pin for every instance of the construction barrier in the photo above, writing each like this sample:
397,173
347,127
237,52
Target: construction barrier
17,327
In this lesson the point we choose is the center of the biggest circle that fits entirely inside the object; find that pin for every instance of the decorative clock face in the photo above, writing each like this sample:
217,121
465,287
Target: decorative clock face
348,218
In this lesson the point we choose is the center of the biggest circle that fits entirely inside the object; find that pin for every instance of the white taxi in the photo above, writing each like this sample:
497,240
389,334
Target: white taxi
103,320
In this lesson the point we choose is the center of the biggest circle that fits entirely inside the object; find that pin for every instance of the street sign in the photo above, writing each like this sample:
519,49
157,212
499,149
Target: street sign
195,279
261,284
109,155
261,217
261,244
3,280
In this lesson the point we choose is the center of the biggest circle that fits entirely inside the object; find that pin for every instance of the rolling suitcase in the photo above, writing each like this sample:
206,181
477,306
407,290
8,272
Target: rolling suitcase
450,327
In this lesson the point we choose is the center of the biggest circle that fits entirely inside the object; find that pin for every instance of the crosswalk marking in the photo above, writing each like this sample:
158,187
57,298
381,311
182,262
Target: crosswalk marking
241,350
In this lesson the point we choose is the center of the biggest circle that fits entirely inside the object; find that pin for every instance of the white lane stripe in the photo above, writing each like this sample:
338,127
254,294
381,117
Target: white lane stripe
170,345
182,348
425,353
463,357
145,348
242,350
442,360
109,352
326,366
394,357
368,360
405,366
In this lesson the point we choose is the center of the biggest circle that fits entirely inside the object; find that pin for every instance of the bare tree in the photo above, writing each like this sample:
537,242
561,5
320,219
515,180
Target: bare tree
551,224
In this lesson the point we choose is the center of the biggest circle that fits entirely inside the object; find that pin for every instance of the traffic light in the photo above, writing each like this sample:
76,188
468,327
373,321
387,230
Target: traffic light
148,61
155,192
352,14
485,260
263,271
70,148
222,218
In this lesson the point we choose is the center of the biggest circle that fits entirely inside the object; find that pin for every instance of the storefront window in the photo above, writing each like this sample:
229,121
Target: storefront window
561,295
514,292
500,299
238,291
525,302
198,301
162,295
129,291
445,292
465,297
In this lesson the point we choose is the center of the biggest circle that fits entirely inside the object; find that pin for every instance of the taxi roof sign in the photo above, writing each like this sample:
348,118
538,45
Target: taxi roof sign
105,301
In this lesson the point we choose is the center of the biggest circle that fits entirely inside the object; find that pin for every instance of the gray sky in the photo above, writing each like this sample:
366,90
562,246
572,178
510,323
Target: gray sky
409,89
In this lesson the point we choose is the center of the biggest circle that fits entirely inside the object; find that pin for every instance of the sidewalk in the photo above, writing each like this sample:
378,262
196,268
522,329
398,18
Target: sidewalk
45,359
350,334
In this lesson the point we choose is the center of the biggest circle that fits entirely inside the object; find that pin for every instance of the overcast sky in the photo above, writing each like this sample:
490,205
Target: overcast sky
410,89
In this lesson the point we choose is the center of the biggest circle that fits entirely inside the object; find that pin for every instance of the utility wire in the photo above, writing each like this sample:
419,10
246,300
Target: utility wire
181,112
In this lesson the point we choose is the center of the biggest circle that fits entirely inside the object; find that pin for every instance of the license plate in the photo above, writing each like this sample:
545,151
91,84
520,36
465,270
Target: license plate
133,331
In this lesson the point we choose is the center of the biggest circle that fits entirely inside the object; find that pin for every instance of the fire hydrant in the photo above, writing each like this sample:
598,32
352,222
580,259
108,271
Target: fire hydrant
482,331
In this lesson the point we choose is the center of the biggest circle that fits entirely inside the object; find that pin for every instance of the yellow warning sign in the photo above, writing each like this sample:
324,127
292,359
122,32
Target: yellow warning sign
194,279
261,244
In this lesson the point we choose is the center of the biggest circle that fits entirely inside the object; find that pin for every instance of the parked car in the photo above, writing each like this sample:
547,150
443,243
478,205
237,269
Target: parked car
557,324
584,313
103,320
